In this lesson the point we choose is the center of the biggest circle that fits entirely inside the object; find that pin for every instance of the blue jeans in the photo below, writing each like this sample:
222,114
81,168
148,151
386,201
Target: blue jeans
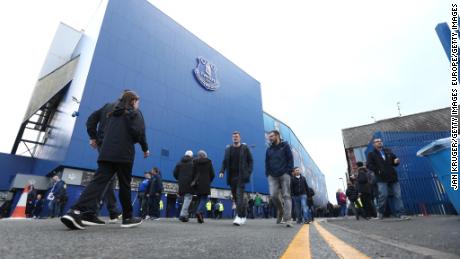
54,208
280,190
301,208
343,210
202,205
258,211
395,189
185,205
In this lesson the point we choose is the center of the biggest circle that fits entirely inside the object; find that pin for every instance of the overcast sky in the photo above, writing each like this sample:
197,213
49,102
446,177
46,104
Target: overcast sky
323,66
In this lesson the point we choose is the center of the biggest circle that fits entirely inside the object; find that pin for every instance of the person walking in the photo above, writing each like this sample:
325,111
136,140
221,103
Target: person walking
209,211
31,196
353,196
258,206
279,165
155,189
365,190
183,172
341,202
203,175
37,206
56,196
142,195
310,203
125,127
95,125
221,210
382,161
238,165
299,190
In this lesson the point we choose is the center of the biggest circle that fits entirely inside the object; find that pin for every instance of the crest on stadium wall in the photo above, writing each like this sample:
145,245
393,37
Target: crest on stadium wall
205,73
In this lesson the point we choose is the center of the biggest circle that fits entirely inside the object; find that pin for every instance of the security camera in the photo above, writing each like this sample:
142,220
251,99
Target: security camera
75,99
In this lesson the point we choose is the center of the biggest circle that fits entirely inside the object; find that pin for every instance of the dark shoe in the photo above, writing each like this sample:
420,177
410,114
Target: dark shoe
183,219
114,218
72,220
199,218
91,220
131,222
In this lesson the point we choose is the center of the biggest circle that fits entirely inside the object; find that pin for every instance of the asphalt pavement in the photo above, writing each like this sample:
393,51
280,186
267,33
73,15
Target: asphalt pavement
166,238
420,237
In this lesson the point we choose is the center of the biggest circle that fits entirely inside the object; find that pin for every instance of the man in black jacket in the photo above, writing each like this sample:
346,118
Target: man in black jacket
279,164
382,162
155,189
299,190
125,127
238,164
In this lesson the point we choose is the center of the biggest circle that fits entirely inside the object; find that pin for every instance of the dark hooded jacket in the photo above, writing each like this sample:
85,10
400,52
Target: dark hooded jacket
97,121
279,160
124,128
183,172
352,193
203,174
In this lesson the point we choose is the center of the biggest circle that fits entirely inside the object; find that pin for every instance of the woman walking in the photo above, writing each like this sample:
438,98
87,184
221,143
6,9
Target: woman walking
203,174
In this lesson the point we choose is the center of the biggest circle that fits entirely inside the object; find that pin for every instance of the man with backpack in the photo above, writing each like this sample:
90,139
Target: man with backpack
364,181
353,196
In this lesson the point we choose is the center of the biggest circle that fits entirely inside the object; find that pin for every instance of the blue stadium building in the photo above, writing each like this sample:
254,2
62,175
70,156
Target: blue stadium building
192,97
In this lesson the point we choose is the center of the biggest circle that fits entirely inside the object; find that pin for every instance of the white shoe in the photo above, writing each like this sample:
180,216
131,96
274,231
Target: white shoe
237,221
113,221
243,221
147,217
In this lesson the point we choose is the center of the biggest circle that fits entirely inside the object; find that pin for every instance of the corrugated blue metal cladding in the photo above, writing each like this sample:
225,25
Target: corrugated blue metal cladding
421,189
302,159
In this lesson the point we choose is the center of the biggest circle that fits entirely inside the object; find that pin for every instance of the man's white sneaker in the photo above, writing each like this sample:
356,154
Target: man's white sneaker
243,221
237,221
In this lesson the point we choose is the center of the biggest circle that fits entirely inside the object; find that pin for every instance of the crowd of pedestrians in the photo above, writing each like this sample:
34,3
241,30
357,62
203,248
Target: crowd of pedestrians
373,190
116,127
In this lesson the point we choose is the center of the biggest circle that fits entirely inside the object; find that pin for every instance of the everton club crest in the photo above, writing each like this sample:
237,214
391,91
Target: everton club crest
205,73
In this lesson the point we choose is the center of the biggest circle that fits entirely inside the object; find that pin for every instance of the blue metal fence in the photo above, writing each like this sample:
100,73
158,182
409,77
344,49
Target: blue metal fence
421,189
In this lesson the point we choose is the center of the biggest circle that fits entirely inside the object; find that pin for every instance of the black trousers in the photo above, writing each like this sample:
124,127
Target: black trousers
368,207
108,197
238,197
154,205
105,172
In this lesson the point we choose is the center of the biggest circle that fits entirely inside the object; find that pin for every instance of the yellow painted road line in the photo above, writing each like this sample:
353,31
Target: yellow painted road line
342,249
299,246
